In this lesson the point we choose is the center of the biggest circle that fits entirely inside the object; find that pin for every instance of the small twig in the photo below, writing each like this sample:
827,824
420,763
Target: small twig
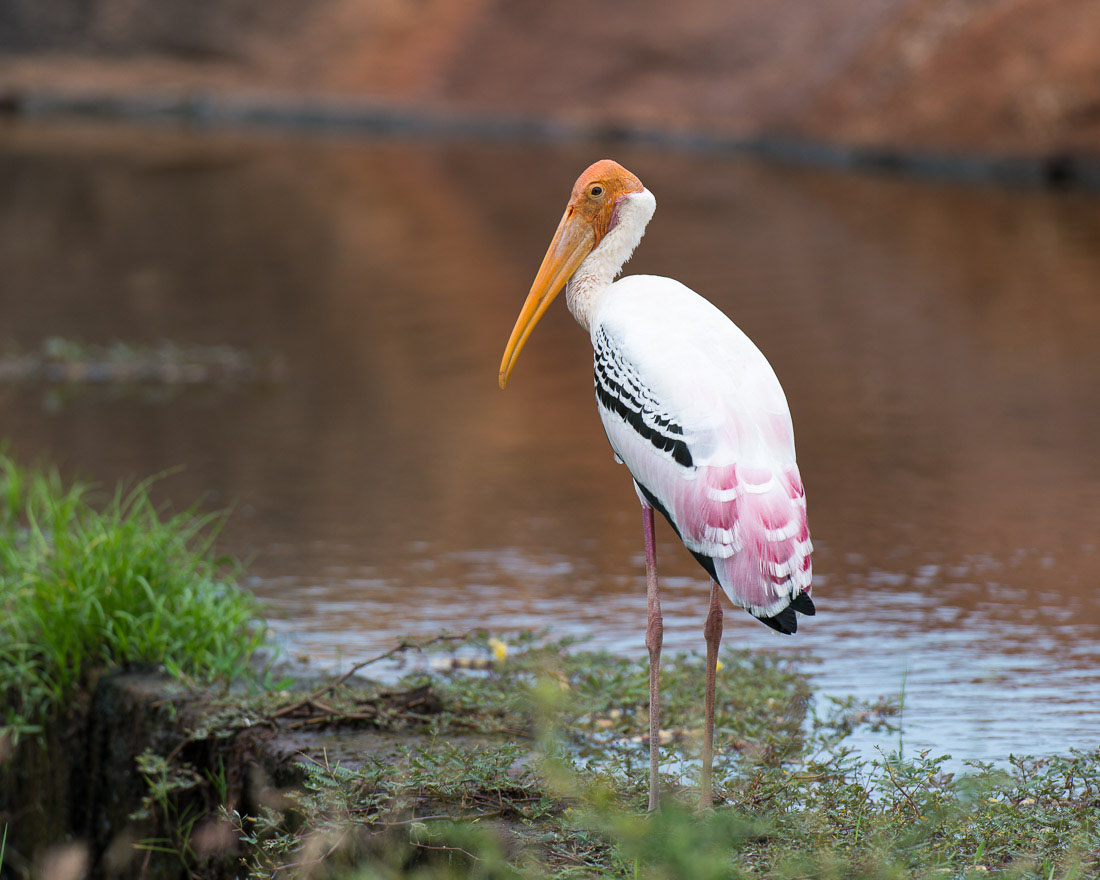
898,786
404,645
145,865
175,753
416,819
333,718
309,863
448,849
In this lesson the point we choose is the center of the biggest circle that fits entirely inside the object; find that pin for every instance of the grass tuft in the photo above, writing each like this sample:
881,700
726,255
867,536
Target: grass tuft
86,587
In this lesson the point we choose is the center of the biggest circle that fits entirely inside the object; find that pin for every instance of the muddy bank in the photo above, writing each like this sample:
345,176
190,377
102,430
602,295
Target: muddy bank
506,741
529,765
140,782
1057,169
77,788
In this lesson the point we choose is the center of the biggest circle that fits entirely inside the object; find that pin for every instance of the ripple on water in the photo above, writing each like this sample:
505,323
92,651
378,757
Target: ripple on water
944,399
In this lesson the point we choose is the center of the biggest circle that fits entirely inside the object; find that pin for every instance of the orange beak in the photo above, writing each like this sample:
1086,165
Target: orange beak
572,242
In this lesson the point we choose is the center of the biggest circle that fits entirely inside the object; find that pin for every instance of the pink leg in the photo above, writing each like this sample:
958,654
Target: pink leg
712,632
654,636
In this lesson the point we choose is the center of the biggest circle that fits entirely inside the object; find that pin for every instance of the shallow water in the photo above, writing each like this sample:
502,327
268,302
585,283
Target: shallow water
938,346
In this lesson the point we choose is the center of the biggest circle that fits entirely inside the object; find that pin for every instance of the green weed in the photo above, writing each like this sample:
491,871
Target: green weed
533,769
86,587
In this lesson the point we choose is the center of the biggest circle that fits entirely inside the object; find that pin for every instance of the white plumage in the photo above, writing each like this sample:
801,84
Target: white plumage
740,500
695,412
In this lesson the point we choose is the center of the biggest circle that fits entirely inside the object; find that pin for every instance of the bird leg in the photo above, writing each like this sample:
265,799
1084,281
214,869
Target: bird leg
712,632
654,636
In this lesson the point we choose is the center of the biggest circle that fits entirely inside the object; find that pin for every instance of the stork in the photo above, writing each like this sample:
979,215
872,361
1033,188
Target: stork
694,410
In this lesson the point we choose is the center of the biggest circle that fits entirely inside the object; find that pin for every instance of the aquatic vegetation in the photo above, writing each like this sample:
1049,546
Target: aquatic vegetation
87,586
66,369
569,802
532,767
165,363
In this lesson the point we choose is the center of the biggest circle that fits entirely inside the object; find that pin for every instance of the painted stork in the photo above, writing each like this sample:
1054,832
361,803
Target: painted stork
695,412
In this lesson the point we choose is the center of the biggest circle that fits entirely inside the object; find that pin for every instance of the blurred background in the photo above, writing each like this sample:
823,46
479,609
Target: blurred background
306,317
1000,75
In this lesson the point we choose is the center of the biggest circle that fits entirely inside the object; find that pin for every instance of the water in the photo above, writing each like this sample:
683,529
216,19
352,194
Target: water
938,346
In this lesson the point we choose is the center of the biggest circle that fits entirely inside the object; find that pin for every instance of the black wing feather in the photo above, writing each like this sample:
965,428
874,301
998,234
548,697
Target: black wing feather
620,391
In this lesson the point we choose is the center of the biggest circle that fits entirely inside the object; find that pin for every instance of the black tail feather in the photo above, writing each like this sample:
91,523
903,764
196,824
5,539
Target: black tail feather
803,604
786,621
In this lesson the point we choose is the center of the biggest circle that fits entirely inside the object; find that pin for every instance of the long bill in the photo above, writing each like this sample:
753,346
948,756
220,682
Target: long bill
572,242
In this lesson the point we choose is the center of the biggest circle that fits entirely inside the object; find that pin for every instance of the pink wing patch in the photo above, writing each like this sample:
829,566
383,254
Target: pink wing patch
752,522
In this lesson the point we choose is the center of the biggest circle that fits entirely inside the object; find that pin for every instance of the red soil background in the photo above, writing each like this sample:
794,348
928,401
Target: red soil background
993,76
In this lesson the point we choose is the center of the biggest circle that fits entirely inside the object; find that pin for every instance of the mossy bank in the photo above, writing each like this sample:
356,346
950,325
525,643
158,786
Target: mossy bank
143,739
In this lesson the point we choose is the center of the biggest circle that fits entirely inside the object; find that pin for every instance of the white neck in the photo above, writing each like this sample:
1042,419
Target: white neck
594,276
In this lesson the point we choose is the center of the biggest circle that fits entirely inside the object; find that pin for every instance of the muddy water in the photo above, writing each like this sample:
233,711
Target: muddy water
939,347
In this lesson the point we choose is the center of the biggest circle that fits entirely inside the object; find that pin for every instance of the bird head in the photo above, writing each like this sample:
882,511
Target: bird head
589,216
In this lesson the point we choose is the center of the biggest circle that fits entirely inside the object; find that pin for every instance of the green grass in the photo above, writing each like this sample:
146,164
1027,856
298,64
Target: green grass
89,586
531,772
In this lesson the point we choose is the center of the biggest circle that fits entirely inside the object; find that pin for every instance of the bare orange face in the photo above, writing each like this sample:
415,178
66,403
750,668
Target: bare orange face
597,192
588,218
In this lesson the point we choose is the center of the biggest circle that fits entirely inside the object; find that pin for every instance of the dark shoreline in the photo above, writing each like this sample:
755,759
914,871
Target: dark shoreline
1060,170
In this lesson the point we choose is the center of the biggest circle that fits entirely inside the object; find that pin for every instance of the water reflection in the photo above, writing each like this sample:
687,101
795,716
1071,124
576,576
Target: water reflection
938,347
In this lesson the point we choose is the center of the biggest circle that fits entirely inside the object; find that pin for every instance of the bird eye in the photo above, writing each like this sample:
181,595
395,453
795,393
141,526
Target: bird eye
597,190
